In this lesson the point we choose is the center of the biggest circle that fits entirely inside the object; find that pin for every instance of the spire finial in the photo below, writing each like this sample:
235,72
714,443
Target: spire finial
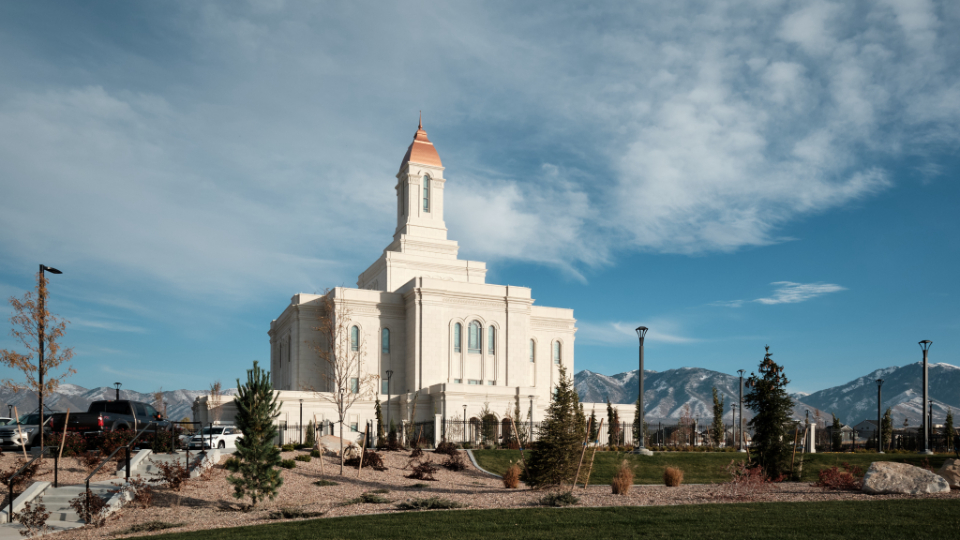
420,121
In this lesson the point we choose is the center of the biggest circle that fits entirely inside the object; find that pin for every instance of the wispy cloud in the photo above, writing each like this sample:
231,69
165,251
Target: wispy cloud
620,333
787,292
110,326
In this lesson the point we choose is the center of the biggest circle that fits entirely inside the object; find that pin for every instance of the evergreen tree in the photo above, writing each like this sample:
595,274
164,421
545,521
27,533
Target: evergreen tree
638,430
771,405
719,431
555,456
259,459
378,411
594,427
613,425
886,428
948,429
310,440
837,434
392,442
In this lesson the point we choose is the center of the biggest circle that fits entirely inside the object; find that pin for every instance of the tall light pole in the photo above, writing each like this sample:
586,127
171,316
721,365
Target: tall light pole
301,421
41,320
740,447
925,345
530,438
879,418
118,385
641,448
733,422
389,395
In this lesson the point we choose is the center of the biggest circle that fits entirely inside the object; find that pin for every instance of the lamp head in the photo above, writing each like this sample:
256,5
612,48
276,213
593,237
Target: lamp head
44,268
389,374
925,344
118,385
879,383
741,372
641,332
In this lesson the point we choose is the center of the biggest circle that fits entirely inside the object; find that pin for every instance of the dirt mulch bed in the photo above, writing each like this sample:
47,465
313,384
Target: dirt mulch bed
208,503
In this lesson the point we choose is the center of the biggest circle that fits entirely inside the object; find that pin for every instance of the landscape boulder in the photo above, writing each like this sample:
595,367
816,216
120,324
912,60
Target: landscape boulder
889,477
950,471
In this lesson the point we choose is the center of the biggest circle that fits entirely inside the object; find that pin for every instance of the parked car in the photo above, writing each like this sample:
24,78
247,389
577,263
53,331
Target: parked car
4,420
216,437
111,415
26,432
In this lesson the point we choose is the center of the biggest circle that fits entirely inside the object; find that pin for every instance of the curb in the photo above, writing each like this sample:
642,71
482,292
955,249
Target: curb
35,490
477,465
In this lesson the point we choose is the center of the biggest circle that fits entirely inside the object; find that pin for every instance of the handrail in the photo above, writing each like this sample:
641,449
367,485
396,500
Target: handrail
18,473
104,462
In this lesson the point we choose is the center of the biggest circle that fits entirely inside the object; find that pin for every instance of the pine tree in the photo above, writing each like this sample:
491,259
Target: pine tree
310,439
886,429
771,405
837,434
638,430
378,411
258,457
594,427
948,429
613,425
718,429
555,456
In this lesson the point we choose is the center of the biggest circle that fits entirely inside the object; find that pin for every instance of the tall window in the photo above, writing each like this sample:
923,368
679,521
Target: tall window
491,340
533,351
473,340
385,340
556,352
354,338
354,385
457,339
426,193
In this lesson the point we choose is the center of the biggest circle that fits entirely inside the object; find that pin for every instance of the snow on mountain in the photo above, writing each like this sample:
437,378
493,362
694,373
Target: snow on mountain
77,398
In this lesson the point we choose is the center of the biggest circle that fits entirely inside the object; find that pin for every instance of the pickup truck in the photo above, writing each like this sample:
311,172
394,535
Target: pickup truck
110,415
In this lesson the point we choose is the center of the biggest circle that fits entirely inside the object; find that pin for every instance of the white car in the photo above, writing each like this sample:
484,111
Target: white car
216,437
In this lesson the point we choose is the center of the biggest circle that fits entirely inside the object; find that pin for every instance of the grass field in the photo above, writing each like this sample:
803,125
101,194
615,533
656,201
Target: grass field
877,520
700,467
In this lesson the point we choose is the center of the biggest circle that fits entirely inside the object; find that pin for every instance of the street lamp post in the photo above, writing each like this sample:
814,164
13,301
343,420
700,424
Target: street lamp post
740,447
641,447
530,438
118,385
925,345
464,422
879,418
301,421
41,320
733,423
389,395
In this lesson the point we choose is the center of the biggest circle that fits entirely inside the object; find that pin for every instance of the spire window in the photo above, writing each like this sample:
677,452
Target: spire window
354,338
457,339
426,193
491,340
473,340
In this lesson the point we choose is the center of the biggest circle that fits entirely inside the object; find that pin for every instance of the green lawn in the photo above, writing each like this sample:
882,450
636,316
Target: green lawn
699,467
877,520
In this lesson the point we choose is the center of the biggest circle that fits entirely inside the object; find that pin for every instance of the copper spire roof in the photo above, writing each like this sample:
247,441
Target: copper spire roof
421,149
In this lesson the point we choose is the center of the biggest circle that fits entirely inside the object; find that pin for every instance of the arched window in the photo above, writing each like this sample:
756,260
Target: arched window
556,352
354,338
473,339
533,351
426,193
385,340
491,340
457,340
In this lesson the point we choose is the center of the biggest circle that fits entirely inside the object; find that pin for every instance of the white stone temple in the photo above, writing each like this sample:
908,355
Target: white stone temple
428,317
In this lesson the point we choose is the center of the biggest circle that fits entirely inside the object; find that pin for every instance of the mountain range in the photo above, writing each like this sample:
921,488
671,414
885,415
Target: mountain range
666,393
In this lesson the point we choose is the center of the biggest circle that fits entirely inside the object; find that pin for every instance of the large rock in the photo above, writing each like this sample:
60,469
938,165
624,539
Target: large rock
950,471
889,477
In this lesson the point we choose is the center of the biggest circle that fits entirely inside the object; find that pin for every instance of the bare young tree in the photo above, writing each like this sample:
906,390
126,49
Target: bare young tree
215,401
32,324
340,351
158,402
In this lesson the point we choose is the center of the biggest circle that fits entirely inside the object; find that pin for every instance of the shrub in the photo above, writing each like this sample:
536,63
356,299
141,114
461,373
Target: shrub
745,481
622,479
25,477
172,475
315,453
288,464
370,459
431,503
561,498
90,459
422,470
33,517
140,490
417,452
150,526
304,458
848,479
325,483
292,513
373,498
73,445
287,448
511,478
672,476
455,462
91,508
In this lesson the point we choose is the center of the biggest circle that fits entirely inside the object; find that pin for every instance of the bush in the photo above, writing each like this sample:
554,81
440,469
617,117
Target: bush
370,459
431,503
150,526
511,478
304,458
292,513
287,448
315,453
455,462
288,464
447,448
622,479
422,470
140,490
73,445
25,478
848,479
325,483
90,459
417,452
172,475
672,476
91,508
745,481
372,498
33,518
562,498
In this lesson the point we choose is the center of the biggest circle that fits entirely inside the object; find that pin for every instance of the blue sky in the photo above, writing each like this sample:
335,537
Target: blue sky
730,174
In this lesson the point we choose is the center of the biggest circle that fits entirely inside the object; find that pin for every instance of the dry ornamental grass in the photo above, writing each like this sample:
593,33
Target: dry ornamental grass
623,479
672,476
511,478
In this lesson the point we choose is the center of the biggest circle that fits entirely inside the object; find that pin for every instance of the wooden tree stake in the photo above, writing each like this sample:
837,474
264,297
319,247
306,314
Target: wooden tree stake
594,454
583,452
64,438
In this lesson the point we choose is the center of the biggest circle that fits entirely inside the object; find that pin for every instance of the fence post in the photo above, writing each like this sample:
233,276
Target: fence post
437,429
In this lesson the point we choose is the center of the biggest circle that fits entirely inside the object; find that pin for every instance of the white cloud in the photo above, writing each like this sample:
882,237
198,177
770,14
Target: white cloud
620,333
787,292
109,326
